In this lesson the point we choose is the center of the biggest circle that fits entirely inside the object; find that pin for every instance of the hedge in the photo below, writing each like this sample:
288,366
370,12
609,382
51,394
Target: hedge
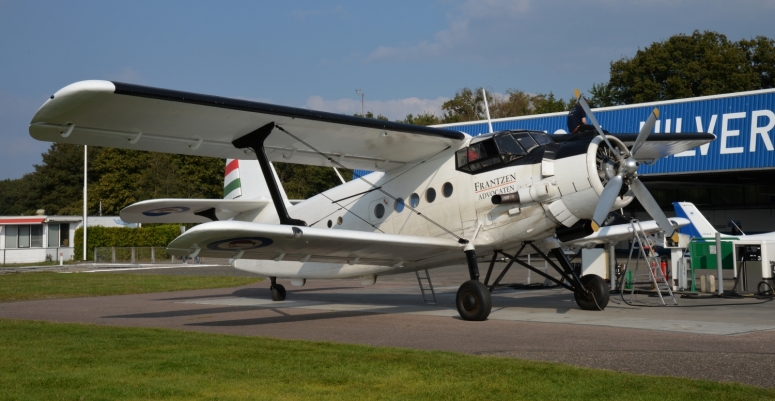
160,235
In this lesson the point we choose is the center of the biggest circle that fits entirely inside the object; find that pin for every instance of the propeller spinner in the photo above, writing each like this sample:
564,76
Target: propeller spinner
626,168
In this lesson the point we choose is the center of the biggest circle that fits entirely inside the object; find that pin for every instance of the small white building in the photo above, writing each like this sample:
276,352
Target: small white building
40,238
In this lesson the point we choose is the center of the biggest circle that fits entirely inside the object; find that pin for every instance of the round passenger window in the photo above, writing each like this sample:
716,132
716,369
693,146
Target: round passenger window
399,205
414,200
430,195
447,190
339,220
379,210
330,224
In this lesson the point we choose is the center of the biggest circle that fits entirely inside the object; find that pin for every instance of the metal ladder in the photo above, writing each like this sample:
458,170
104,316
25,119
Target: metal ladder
428,300
655,275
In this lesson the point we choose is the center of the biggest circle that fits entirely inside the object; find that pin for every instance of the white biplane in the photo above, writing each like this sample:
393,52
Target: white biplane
437,196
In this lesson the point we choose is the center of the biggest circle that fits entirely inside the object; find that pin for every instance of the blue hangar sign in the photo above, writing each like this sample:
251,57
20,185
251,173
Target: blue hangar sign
744,124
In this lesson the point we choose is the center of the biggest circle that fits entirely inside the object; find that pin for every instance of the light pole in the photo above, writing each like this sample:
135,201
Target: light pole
360,92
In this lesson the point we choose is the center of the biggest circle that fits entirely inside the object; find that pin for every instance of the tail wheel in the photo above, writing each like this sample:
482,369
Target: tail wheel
594,295
473,301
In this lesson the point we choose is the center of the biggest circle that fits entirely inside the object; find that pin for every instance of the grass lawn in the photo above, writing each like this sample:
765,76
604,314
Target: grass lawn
85,362
42,285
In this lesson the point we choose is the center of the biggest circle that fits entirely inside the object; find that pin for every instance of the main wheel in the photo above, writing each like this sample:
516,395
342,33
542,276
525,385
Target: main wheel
473,301
596,295
278,292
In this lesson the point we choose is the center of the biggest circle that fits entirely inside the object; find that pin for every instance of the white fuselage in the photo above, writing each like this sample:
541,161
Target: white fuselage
553,193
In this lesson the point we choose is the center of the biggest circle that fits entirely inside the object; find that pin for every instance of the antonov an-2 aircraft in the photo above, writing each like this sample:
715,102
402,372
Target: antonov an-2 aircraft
437,197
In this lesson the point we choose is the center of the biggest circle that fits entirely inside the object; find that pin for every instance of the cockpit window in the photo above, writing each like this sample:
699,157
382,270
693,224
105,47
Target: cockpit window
541,138
509,148
527,142
493,151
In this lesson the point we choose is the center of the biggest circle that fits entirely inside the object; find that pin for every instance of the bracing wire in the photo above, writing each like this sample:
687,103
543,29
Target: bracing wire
460,239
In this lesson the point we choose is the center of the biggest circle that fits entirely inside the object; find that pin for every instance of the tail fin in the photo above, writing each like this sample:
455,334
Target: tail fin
244,179
700,227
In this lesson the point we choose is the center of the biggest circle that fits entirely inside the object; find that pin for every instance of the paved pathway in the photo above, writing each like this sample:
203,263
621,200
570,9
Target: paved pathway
718,342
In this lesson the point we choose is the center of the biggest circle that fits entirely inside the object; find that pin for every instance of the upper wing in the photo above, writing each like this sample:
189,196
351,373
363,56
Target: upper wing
188,210
119,115
621,232
239,239
662,145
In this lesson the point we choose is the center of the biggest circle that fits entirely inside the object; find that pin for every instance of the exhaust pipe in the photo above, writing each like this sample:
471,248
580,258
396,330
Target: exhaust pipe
581,229
505,199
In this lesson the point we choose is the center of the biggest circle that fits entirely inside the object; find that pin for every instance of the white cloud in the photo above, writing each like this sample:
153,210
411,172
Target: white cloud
394,109
127,75
468,29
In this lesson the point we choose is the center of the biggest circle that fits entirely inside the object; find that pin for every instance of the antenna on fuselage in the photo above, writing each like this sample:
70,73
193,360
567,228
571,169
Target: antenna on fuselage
487,109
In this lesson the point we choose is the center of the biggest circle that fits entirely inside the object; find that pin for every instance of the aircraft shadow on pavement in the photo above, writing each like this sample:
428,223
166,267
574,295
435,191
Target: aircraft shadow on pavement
284,318
185,312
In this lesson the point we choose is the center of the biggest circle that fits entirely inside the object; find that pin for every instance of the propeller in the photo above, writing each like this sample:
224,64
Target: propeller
627,172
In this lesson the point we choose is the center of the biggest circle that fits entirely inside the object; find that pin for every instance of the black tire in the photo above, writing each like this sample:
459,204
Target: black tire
597,294
473,301
278,292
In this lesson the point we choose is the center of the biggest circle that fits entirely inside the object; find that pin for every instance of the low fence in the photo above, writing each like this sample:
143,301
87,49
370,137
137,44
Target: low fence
147,255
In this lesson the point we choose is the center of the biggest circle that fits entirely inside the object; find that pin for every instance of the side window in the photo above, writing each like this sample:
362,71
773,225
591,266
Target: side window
379,210
430,195
509,148
399,206
526,141
11,236
414,200
541,138
447,190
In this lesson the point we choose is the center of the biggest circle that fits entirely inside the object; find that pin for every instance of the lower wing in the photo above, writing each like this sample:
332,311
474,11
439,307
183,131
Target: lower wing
239,239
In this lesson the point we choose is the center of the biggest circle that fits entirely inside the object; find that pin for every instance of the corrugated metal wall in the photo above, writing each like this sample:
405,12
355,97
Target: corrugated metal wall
742,141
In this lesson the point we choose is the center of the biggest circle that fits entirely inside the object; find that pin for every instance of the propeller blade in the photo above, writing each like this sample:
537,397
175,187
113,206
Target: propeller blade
651,206
645,131
580,99
606,202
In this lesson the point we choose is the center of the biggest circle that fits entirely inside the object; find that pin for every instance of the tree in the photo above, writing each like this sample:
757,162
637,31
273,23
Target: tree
467,105
371,115
425,118
684,66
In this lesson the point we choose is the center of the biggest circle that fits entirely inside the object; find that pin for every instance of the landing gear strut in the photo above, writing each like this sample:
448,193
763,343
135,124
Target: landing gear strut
473,300
590,291
278,291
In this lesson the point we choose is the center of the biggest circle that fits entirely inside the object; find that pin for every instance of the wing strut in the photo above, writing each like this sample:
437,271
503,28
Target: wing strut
255,142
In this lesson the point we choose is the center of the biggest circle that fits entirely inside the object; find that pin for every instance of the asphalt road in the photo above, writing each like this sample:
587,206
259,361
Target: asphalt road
706,339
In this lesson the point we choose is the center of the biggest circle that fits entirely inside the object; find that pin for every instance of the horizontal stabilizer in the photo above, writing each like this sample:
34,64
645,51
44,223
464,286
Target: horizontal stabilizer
188,210
239,239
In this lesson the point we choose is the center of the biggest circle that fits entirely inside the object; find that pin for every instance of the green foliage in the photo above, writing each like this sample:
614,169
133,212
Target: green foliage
371,115
47,361
302,181
159,235
117,178
425,118
467,105
129,176
45,285
684,66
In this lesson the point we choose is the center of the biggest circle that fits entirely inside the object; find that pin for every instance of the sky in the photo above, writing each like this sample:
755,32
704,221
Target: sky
405,56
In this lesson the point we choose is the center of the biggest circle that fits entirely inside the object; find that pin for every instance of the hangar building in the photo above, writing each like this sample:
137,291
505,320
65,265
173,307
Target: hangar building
732,178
